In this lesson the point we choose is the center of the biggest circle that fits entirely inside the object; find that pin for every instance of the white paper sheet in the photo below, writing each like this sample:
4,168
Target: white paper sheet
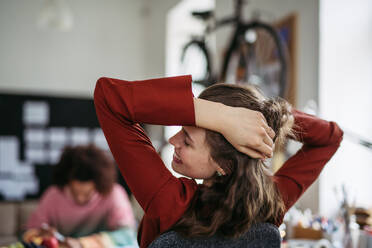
36,113
99,139
20,178
80,136
54,155
58,136
9,152
35,136
36,155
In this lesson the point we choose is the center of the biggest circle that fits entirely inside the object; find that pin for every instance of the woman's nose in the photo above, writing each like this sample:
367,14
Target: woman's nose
174,140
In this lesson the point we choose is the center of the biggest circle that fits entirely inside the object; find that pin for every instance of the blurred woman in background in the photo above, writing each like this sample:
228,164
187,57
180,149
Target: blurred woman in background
84,200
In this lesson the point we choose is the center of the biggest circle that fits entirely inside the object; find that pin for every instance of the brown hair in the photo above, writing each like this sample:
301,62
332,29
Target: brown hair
86,163
246,194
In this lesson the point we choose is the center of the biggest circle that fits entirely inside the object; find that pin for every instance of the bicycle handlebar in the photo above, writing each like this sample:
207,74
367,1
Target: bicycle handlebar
220,23
236,18
227,20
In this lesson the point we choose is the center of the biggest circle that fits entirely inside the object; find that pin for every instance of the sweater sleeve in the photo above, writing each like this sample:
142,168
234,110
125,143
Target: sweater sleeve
120,107
121,212
44,211
321,140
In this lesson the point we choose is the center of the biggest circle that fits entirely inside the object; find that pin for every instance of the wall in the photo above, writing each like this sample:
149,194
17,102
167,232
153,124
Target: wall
107,39
345,96
155,36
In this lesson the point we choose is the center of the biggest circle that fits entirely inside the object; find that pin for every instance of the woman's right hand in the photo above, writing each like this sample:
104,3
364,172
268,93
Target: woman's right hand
30,234
42,232
248,132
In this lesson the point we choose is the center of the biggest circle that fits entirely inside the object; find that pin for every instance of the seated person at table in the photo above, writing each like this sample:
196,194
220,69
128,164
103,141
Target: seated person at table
84,198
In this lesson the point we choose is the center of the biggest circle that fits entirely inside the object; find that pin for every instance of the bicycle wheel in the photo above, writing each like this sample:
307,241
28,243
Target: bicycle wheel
195,61
257,56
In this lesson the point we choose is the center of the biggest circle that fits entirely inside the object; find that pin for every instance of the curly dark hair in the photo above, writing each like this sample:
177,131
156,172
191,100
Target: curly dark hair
246,195
86,163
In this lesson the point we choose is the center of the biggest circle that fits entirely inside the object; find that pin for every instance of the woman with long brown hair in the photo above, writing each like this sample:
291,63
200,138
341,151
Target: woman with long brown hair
226,133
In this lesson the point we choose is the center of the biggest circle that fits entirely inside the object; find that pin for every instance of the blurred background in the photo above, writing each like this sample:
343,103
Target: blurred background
53,51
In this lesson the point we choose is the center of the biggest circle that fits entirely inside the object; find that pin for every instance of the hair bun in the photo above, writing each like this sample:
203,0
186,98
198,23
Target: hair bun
278,112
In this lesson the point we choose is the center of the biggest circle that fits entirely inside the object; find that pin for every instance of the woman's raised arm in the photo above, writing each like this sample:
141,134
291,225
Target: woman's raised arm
321,140
121,105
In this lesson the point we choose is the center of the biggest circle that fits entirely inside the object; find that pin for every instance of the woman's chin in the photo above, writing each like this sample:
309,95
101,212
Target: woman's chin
177,168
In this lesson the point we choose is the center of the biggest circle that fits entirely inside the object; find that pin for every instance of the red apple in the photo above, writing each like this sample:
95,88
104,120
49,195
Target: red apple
50,242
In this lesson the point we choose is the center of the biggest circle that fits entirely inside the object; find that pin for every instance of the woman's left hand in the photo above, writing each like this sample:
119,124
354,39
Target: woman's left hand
248,132
245,129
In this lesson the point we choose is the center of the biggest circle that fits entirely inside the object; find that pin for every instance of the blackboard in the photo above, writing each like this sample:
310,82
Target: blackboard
33,131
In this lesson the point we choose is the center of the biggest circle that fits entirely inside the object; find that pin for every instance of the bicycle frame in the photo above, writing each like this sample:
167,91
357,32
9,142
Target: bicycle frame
235,18
240,32
240,28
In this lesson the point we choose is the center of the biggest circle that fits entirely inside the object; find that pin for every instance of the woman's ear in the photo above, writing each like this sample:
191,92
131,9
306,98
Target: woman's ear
219,170
217,167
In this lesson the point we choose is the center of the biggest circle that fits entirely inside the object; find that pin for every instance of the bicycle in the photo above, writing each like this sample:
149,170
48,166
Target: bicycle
256,54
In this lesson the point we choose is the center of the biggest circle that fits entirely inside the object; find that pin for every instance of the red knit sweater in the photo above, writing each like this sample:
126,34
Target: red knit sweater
121,105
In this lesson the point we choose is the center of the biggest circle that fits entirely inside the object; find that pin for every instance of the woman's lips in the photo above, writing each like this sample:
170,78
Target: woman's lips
176,159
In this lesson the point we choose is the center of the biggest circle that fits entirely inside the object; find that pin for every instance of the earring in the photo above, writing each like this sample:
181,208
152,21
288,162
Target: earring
220,172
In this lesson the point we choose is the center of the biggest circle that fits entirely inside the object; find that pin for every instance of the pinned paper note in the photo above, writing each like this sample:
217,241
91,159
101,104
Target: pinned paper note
58,136
36,113
80,136
99,139
35,136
